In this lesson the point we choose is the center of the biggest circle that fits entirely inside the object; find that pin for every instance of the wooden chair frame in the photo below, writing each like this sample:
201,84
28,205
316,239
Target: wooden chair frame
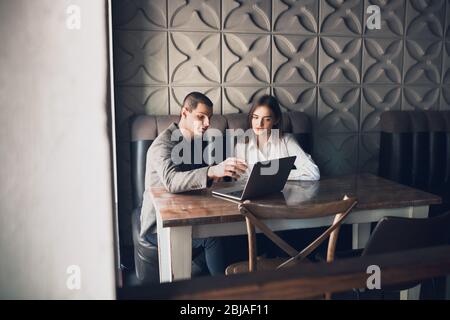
253,211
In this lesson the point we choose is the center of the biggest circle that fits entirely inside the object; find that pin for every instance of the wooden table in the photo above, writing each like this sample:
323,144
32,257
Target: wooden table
198,214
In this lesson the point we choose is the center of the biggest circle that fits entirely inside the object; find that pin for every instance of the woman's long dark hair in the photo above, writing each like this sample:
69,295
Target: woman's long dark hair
272,103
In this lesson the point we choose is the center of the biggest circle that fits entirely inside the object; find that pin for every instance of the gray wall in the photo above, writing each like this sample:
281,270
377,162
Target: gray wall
56,186
315,56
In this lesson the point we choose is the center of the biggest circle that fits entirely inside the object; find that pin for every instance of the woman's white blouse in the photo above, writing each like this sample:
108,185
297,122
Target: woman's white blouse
276,148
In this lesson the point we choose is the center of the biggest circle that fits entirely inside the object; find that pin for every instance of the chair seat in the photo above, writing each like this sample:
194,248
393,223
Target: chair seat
262,264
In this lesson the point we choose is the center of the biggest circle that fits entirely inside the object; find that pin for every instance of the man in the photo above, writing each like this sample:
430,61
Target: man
162,169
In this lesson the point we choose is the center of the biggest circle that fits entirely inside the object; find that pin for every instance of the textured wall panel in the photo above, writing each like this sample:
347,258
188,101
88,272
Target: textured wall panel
420,98
425,18
246,58
383,60
338,109
446,70
299,17
178,94
240,99
141,57
316,56
340,60
392,17
247,15
377,99
298,98
194,15
131,101
341,17
447,21
194,58
294,60
423,61
139,14
445,99
369,147
144,100
337,153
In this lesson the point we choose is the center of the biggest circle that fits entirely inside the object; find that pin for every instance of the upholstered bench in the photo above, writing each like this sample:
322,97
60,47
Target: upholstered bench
415,151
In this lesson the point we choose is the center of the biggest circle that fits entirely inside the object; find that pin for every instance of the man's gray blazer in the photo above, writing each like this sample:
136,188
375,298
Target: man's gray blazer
162,171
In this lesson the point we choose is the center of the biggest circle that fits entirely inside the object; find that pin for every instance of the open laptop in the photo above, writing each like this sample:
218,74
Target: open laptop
263,180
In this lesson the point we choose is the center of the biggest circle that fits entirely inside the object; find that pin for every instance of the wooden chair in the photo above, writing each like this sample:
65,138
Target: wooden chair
396,234
254,212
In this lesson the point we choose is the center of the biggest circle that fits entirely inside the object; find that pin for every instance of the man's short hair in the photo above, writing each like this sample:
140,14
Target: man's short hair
192,100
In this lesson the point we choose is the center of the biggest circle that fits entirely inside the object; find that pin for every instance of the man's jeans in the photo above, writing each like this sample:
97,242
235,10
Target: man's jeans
214,252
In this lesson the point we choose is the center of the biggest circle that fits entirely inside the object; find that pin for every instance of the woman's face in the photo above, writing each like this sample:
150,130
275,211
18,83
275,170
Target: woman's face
262,120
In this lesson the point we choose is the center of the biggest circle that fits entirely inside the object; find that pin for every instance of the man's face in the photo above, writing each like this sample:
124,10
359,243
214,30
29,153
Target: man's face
197,120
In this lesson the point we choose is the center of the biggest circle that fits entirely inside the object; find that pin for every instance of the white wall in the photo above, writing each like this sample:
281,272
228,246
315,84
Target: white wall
56,195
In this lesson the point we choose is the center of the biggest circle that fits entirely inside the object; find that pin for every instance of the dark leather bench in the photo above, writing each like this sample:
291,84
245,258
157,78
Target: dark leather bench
415,151
144,130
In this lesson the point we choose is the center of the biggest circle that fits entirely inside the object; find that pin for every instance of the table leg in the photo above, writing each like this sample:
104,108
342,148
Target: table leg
411,294
175,253
447,288
419,212
414,293
361,234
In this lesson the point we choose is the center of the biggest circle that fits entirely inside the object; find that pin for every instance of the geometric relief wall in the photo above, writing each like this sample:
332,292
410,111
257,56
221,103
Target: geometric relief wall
317,57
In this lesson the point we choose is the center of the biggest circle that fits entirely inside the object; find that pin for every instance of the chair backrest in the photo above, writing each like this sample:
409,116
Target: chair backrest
398,234
415,148
304,211
394,234
145,129
253,212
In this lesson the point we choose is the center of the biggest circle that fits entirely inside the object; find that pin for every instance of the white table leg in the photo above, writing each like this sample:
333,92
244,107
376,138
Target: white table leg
175,253
414,293
447,288
419,212
360,235
411,294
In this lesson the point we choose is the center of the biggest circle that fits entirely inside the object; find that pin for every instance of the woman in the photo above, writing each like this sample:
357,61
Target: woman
266,141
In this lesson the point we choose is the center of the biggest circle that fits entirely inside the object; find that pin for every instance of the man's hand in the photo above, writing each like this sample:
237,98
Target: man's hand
231,167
